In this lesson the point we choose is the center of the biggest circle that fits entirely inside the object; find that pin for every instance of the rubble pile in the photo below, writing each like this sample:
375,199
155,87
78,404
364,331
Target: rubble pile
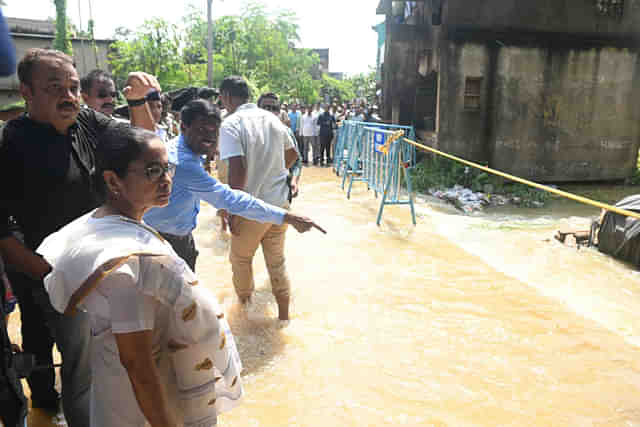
469,201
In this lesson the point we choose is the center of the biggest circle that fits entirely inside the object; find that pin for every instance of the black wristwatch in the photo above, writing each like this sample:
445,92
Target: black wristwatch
136,102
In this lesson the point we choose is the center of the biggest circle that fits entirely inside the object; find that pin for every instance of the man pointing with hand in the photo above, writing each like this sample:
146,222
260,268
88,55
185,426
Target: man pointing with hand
191,183
260,151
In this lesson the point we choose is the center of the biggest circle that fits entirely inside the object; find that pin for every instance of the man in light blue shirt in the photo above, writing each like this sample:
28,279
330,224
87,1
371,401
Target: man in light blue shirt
191,183
294,121
293,118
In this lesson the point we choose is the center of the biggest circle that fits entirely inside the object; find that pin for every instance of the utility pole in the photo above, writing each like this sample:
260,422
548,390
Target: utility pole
209,45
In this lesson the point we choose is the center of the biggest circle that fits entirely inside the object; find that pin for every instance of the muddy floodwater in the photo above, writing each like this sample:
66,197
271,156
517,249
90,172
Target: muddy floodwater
460,321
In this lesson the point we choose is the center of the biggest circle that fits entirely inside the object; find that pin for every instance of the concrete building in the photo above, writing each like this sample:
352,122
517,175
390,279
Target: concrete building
543,89
323,65
30,33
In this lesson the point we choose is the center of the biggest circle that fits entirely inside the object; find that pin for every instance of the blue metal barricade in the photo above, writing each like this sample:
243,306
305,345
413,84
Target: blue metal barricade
347,140
338,149
353,165
384,159
356,159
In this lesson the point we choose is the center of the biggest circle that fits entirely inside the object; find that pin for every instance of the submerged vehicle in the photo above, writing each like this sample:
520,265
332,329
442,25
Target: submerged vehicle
619,235
613,234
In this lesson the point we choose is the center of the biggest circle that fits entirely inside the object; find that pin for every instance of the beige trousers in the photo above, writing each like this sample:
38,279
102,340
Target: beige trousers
246,237
223,170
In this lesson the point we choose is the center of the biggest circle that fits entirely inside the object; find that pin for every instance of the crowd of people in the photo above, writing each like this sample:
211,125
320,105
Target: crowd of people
96,221
314,126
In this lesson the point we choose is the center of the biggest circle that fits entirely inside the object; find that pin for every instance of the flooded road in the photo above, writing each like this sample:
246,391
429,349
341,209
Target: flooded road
460,321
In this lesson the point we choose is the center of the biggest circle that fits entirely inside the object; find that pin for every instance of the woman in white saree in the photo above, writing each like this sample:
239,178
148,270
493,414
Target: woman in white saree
162,352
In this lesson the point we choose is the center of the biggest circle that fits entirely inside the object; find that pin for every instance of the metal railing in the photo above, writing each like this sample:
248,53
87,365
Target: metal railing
378,155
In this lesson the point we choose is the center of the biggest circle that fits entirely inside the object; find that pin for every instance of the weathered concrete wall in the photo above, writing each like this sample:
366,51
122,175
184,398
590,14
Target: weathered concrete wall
559,91
564,115
560,16
462,132
401,79
403,48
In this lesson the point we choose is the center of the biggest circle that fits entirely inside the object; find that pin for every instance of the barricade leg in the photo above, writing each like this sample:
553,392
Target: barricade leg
344,175
407,177
387,187
382,203
350,186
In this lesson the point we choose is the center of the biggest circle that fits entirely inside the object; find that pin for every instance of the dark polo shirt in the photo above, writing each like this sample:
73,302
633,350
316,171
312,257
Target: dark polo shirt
46,178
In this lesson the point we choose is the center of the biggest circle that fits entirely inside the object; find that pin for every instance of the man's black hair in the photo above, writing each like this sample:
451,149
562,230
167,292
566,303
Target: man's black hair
35,55
86,83
181,97
235,86
199,108
269,95
207,93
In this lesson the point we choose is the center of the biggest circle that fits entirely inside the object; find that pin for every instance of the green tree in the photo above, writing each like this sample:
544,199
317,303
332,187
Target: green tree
364,85
154,48
333,89
62,41
91,31
257,44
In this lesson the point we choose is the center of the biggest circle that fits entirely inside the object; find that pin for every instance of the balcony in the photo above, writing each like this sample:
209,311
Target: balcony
416,12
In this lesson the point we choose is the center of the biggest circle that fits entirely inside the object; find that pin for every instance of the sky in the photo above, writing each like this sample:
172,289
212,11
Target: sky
343,26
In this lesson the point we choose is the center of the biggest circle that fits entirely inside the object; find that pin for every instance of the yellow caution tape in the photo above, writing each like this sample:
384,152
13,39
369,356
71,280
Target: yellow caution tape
390,140
529,183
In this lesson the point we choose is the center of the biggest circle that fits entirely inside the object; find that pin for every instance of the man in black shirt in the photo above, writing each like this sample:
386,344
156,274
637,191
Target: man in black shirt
327,123
46,161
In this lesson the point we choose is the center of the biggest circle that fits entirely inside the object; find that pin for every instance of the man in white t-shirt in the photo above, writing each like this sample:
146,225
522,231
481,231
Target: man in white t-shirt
316,134
308,130
260,151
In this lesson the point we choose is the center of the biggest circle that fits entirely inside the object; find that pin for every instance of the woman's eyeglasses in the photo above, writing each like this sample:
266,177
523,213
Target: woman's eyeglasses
157,171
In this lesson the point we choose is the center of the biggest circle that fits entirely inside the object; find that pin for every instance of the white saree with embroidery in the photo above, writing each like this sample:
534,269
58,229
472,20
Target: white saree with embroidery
193,345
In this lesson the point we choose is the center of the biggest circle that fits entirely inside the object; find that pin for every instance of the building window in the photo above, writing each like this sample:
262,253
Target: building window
613,8
472,89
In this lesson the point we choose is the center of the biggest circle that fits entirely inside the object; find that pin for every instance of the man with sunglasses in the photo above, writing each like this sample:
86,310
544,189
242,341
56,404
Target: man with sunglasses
46,163
191,183
99,91
269,101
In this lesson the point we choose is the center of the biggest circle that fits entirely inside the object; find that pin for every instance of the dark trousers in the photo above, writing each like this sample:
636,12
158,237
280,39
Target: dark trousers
325,147
13,404
185,247
41,326
300,142
37,339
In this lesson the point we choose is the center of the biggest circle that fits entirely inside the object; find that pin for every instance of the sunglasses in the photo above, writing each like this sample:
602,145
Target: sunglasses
105,94
271,107
157,171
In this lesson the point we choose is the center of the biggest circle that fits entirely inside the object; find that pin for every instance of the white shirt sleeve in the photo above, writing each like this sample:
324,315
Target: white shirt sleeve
130,310
230,142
